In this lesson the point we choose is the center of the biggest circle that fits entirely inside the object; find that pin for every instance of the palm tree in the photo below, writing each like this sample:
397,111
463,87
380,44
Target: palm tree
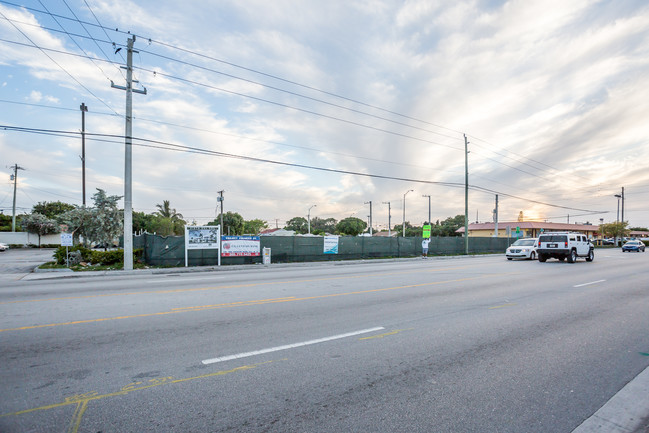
177,223
165,211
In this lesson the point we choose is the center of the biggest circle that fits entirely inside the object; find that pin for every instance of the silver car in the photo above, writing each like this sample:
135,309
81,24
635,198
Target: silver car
3,246
522,249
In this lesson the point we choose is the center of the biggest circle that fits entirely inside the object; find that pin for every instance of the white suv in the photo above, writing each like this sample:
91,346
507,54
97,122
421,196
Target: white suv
564,245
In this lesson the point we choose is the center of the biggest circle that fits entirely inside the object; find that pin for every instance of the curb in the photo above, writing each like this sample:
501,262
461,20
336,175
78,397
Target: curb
41,274
626,412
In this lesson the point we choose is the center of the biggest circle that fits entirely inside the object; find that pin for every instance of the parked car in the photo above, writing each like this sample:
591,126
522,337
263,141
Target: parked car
522,249
3,247
633,246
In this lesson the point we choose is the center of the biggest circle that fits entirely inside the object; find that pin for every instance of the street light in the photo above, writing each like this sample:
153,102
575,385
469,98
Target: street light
309,217
428,207
404,211
389,219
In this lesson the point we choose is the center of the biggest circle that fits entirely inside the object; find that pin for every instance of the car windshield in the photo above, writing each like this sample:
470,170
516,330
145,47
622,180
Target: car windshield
524,243
632,243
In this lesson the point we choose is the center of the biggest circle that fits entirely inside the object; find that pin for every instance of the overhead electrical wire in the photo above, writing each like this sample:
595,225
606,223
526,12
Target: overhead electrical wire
43,50
157,144
170,46
286,91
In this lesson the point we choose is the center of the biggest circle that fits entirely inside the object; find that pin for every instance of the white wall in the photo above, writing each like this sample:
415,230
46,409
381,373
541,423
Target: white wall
24,238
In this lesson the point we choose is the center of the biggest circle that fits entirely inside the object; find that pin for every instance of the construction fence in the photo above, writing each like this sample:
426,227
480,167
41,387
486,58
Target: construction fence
170,250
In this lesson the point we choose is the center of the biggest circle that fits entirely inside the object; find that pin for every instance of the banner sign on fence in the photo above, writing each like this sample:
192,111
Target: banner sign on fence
241,246
331,244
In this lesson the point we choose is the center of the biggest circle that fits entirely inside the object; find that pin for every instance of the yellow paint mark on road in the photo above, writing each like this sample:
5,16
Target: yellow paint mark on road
82,400
396,331
502,306
245,304
76,418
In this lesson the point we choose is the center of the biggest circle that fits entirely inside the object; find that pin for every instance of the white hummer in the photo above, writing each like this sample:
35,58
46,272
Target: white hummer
564,245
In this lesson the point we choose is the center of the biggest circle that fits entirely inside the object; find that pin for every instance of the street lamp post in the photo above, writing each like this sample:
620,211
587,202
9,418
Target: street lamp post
389,219
309,218
428,207
404,211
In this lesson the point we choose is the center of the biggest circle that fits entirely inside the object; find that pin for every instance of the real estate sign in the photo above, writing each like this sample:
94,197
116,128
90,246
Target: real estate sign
202,238
331,244
241,246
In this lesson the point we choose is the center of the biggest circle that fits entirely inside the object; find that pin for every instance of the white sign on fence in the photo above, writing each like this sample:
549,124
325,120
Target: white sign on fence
331,244
202,238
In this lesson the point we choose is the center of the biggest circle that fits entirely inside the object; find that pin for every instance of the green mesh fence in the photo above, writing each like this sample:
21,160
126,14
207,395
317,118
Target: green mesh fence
170,251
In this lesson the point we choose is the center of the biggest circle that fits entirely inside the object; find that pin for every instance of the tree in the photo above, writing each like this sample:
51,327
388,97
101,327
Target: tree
351,226
52,209
411,231
232,224
298,224
253,227
40,225
169,221
320,225
106,218
449,226
142,222
614,230
101,224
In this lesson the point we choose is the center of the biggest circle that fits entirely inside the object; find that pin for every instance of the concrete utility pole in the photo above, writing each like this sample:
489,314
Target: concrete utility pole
622,204
389,219
466,196
496,218
220,200
84,109
128,150
428,207
370,202
404,211
15,179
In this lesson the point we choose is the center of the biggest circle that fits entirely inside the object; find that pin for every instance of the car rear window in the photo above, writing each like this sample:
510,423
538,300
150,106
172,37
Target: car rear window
553,238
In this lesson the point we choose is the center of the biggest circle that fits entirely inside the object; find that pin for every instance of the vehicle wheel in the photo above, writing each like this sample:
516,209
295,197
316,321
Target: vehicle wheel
572,258
561,259
532,255
591,256
542,258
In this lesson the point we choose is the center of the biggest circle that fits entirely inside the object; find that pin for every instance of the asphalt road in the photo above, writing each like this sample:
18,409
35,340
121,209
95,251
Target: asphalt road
438,345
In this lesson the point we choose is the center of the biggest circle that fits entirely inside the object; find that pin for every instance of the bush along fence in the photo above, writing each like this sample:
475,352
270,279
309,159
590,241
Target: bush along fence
170,250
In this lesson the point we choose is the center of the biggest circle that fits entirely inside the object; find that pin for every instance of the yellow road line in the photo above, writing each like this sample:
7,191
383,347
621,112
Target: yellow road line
244,304
232,286
396,331
90,396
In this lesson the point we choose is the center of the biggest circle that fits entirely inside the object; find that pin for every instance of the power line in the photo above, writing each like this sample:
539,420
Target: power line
157,144
292,82
43,50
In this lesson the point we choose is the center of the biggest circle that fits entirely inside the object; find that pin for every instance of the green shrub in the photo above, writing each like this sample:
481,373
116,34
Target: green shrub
59,254
111,257
94,257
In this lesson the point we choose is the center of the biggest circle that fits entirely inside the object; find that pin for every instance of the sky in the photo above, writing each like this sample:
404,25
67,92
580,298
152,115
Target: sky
312,108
